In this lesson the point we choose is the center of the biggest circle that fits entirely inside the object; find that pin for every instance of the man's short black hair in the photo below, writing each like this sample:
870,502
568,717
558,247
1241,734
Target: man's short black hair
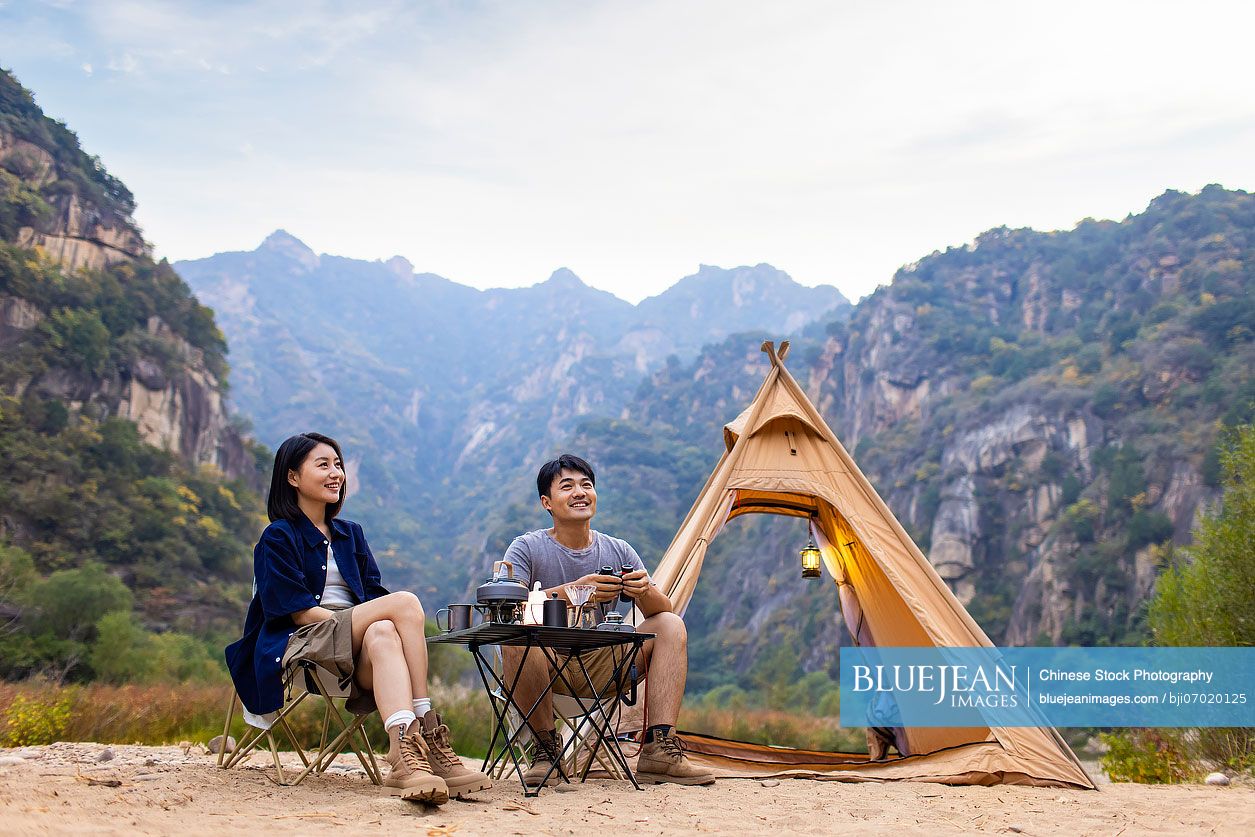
550,470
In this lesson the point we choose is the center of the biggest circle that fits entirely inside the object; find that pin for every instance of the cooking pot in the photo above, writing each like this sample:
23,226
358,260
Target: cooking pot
502,597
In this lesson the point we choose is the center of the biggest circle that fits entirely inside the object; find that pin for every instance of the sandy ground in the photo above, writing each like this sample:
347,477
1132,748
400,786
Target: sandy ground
67,789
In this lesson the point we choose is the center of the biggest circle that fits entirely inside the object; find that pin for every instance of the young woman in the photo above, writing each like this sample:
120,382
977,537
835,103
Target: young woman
318,597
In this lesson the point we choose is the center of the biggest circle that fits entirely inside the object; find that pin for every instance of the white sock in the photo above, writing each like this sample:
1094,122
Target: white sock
422,706
401,719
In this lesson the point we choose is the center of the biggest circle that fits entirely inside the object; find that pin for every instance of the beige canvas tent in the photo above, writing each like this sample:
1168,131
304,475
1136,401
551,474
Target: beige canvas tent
782,458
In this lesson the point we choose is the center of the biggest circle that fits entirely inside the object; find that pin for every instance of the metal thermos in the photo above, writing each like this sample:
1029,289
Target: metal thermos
554,613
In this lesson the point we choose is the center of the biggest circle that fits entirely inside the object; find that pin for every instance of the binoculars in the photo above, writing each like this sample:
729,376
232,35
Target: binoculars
619,573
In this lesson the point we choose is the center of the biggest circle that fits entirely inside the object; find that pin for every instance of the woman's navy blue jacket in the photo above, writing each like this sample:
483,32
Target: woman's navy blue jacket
289,574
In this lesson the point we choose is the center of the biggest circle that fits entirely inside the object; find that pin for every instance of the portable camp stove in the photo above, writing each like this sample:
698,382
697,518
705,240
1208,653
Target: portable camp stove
502,597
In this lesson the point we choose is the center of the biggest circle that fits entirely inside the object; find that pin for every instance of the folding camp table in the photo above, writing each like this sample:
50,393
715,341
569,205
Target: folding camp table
564,648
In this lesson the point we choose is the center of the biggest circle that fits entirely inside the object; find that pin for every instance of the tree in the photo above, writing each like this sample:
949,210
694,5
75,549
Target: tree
17,575
71,602
123,650
1207,599
79,337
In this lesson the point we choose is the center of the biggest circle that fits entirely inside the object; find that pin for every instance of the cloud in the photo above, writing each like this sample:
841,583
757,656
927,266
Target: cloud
126,63
494,141
87,68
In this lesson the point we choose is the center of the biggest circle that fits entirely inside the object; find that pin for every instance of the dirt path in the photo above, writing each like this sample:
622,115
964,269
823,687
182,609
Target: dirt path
66,789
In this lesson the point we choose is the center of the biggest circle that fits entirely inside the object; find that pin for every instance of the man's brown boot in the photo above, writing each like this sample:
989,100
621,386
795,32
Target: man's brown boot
663,760
546,753
444,762
411,777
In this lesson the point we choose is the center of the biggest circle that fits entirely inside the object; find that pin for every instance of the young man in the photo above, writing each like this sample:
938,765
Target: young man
573,552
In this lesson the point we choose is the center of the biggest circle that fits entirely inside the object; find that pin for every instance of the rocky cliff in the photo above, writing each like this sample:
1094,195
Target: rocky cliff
1040,410
65,209
115,441
72,230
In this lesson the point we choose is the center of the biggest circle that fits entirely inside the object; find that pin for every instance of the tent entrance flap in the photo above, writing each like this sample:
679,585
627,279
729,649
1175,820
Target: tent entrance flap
783,458
747,501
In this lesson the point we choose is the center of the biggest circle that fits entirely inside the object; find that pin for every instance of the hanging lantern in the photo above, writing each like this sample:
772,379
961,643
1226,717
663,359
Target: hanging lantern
810,559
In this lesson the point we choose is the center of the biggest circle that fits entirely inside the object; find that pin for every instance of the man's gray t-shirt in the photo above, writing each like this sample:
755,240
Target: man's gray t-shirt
536,556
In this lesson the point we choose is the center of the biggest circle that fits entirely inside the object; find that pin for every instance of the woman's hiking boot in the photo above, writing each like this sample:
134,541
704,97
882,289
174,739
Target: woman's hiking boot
663,760
411,776
444,762
545,754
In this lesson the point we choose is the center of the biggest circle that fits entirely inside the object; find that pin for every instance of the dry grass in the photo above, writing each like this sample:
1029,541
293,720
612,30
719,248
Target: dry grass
37,712
770,726
149,714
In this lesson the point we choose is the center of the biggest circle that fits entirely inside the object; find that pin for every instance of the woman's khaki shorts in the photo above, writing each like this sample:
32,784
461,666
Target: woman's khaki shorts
329,645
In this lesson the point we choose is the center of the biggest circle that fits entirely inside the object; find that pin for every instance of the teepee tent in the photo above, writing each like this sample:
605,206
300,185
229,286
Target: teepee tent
782,458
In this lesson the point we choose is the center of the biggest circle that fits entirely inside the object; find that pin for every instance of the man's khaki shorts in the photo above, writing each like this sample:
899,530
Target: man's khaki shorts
600,664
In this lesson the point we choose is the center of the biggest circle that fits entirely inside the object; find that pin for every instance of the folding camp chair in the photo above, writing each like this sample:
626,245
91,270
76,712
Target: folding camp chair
585,727
300,682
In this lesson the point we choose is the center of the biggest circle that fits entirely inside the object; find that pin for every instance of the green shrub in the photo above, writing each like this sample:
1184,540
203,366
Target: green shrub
79,339
126,653
1148,756
727,696
1127,477
1148,527
32,720
1082,518
179,658
1206,599
121,650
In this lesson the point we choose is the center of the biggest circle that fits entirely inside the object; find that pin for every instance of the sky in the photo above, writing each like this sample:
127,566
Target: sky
631,142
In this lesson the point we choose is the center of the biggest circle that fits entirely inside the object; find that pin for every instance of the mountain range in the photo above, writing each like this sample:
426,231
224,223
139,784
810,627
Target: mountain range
448,398
1042,410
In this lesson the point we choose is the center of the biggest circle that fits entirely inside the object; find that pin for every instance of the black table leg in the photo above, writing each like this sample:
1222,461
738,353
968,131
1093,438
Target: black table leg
501,726
502,690
510,740
604,729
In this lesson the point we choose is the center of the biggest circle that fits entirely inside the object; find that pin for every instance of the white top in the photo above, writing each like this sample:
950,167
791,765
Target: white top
335,592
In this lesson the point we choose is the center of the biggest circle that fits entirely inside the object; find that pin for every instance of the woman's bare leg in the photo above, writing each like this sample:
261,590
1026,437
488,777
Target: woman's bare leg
405,612
380,668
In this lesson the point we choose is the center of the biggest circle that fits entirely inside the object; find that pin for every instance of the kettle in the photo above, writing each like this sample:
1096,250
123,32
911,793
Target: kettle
501,598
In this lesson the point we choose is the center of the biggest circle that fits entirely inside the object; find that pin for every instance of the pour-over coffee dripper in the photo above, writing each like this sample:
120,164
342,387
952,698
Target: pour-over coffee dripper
578,595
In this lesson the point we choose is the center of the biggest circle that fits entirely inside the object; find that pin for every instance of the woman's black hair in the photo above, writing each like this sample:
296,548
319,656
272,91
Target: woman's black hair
281,501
